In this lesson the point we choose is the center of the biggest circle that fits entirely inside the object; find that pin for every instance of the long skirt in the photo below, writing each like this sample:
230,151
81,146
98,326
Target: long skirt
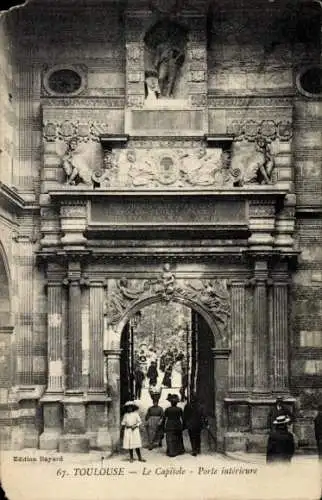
154,431
174,441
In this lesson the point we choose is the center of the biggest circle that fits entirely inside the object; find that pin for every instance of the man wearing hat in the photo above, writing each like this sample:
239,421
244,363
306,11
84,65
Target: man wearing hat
318,430
277,410
280,444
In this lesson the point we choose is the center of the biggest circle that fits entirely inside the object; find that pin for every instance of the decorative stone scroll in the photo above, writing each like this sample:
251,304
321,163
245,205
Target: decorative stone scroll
211,295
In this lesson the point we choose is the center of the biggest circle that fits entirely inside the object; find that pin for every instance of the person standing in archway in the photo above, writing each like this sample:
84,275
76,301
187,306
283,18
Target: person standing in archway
153,420
138,379
167,376
194,421
173,427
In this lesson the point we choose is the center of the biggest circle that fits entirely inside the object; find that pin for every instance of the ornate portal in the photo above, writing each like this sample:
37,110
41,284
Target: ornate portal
211,295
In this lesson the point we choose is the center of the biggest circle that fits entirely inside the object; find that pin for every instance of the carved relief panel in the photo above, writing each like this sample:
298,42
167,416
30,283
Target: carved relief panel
209,295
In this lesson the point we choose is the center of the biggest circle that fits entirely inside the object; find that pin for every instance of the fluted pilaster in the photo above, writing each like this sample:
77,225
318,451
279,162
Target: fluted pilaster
25,312
260,318
237,365
55,336
96,358
112,359
278,341
74,334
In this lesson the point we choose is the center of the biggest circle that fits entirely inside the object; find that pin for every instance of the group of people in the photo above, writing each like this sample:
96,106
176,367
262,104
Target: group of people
172,365
169,423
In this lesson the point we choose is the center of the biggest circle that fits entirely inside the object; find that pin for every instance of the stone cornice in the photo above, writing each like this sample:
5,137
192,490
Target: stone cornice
262,192
11,198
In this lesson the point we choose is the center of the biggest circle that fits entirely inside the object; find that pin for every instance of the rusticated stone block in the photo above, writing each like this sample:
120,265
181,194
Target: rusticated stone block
74,418
96,416
238,417
256,443
104,440
70,443
259,418
49,440
235,441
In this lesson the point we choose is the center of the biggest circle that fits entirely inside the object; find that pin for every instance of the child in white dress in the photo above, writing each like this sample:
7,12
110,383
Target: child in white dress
131,423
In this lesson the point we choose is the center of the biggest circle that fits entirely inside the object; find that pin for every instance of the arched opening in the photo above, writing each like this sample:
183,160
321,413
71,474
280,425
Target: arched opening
168,346
5,347
4,294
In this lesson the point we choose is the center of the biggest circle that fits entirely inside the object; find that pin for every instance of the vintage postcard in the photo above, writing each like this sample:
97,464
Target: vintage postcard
161,250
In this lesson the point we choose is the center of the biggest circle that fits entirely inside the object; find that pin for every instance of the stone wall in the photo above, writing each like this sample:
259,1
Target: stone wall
253,58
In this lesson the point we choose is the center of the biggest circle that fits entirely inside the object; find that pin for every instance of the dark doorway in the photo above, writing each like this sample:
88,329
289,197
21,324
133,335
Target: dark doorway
178,342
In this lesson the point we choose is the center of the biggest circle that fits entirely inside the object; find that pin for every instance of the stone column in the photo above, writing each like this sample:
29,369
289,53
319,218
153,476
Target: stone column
112,359
24,343
278,341
260,329
55,336
74,334
221,387
237,365
96,358
51,401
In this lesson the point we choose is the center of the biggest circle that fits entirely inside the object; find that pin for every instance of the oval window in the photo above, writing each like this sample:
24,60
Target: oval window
64,81
310,81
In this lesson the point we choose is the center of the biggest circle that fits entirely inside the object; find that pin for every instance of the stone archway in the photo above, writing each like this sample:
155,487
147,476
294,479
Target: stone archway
5,301
210,298
5,347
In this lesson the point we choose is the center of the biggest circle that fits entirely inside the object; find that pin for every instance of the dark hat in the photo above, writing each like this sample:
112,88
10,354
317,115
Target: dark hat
173,398
282,420
279,398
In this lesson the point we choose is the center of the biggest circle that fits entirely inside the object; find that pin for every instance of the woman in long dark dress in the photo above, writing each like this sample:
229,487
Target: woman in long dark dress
152,373
173,427
280,445
153,420
167,376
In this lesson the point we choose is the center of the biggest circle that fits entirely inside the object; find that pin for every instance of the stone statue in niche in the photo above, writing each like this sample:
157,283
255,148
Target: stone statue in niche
258,165
152,89
167,62
166,42
75,167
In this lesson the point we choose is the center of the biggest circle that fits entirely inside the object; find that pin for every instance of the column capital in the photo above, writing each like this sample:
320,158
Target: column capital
112,353
221,352
53,282
97,282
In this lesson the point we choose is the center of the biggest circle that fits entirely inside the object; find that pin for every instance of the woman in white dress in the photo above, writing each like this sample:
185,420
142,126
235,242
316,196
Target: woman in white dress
131,424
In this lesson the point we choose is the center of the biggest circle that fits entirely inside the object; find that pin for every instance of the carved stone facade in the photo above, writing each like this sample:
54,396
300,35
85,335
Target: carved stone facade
164,153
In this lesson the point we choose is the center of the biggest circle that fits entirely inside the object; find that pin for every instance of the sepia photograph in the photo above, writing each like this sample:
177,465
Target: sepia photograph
161,250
